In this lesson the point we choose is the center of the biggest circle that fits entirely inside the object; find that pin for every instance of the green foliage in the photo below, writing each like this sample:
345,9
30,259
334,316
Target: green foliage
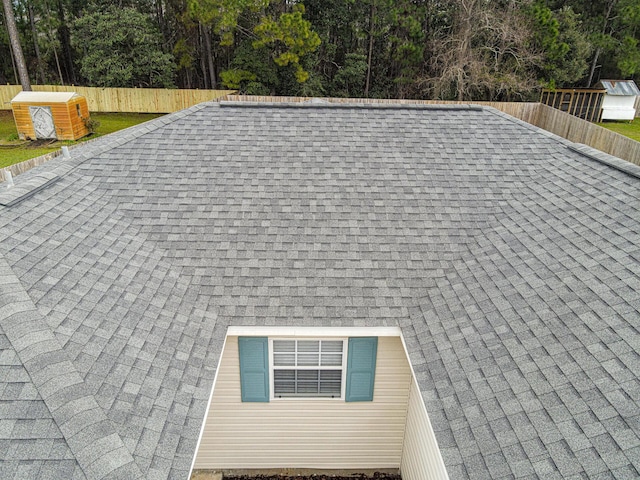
629,13
244,81
611,26
349,79
628,53
628,129
629,57
223,15
407,43
122,48
251,71
313,87
564,47
91,123
292,37
400,48
184,54
234,78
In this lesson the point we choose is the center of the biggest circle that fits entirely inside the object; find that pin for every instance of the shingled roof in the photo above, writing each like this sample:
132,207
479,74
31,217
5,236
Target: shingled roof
509,257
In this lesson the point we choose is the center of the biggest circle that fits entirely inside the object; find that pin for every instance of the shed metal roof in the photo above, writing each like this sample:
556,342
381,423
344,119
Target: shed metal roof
510,262
620,87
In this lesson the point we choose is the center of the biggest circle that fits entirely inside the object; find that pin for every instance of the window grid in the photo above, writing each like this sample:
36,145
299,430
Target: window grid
295,360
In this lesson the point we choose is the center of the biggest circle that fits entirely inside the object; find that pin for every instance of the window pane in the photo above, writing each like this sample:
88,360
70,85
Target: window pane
307,381
308,359
308,346
284,346
332,346
284,353
331,359
284,359
307,375
284,382
330,382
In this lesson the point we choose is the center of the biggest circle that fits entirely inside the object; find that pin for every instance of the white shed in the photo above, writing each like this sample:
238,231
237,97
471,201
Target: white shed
619,99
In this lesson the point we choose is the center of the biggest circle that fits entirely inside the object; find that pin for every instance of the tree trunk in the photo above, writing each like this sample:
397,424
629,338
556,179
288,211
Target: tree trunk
594,64
10,20
468,15
370,54
203,61
206,33
605,23
13,65
36,47
65,41
160,16
55,54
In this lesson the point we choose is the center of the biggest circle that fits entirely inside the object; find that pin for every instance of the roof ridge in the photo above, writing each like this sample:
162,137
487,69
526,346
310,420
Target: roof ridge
88,432
350,105
14,195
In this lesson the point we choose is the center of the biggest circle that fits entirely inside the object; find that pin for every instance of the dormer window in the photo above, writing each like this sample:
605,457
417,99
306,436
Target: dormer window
307,368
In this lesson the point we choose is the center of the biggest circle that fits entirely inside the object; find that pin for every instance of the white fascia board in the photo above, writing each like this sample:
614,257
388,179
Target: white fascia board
272,331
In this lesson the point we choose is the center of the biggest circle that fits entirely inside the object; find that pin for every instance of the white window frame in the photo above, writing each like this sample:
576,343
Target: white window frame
343,368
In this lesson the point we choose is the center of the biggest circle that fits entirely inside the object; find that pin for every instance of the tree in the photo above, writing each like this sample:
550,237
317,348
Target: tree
14,37
628,53
64,37
223,15
273,26
613,27
407,22
122,48
565,50
484,53
350,79
448,49
291,36
251,71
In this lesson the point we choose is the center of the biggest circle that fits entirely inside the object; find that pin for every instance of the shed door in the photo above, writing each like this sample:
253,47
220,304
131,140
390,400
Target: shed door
42,122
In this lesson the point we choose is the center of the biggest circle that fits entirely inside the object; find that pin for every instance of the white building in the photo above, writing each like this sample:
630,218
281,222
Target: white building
619,100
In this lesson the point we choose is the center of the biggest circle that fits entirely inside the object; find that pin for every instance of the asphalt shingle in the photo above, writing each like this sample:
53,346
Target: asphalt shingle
509,260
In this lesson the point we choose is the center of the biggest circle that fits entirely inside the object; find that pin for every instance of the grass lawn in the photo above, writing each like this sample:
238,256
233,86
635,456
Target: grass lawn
13,150
631,130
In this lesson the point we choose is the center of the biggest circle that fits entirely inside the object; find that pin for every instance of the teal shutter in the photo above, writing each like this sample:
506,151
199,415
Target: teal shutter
361,369
254,368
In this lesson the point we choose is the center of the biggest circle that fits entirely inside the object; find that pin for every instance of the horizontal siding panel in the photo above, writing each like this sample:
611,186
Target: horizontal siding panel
308,433
68,125
421,459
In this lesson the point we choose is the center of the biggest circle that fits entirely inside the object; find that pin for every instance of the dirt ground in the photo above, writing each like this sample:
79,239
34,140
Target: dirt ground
315,476
371,475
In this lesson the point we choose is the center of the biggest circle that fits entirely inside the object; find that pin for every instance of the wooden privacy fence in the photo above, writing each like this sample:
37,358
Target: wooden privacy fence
580,131
140,100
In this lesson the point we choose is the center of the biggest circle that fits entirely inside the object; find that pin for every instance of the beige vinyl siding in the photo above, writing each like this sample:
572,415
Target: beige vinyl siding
301,433
421,459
